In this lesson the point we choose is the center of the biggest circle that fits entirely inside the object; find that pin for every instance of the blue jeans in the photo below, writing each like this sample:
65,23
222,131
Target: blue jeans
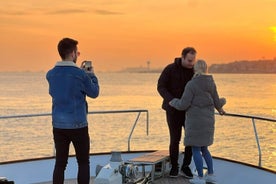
81,143
199,161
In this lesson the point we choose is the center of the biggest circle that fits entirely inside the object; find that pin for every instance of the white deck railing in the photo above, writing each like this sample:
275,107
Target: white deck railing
139,111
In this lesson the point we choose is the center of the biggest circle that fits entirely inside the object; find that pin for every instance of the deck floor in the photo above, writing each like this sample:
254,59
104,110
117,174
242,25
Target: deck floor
168,180
165,180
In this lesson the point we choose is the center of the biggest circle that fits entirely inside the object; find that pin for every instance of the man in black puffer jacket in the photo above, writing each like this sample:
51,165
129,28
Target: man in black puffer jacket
171,84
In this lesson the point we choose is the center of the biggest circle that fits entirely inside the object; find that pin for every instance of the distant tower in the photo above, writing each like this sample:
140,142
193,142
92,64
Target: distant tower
148,65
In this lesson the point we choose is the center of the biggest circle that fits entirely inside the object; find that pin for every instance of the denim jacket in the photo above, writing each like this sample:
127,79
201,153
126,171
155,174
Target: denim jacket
69,85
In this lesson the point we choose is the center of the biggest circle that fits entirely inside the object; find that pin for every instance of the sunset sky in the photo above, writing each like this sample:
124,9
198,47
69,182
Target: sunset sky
117,34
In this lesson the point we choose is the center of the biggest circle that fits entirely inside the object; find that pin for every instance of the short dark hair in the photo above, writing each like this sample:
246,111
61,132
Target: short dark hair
66,46
187,50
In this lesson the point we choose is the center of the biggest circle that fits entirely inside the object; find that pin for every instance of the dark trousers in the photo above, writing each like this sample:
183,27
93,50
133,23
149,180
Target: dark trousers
81,143
176,120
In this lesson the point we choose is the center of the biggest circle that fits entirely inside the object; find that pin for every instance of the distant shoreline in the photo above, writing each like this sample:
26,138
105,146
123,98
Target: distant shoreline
260,66
236,67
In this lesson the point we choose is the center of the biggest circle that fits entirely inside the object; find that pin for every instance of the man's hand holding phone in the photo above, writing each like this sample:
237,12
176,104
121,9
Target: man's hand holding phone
87,66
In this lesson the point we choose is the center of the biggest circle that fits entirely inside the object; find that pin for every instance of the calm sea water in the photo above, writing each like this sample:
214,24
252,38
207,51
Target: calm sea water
27,93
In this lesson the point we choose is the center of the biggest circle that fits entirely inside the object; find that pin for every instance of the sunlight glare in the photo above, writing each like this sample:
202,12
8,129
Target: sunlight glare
274,31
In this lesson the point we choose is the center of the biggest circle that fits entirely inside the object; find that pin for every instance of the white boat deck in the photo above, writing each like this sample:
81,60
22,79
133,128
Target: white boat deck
40,171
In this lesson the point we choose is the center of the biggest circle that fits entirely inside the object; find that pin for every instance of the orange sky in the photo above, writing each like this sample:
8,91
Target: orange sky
117,34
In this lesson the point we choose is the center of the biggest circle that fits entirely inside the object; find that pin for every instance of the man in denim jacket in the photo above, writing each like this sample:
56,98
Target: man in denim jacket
69,85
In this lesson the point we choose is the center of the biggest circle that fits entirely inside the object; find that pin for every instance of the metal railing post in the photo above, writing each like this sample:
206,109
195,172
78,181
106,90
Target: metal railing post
258,143
133,127
147,122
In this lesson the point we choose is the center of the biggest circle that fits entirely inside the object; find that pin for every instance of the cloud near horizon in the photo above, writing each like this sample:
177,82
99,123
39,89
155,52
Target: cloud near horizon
75,11
107,12
59,12
66,11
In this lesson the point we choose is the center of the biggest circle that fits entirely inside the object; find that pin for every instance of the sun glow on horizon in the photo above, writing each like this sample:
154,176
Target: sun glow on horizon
274,31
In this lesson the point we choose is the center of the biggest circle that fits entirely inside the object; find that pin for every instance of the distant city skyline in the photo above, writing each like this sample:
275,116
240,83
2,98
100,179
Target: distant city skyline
147,65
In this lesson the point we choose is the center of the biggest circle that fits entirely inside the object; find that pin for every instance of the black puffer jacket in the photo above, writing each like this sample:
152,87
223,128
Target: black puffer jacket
172,82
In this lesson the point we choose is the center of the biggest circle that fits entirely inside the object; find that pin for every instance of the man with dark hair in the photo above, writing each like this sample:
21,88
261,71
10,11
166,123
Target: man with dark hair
67,46
171,84
68,86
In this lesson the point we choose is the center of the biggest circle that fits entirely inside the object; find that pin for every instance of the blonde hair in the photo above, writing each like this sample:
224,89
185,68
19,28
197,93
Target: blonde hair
200,67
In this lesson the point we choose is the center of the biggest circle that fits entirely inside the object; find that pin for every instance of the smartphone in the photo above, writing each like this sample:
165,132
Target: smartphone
88,65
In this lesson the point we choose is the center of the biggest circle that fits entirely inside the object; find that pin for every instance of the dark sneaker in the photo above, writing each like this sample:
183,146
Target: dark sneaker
186,171
173,173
